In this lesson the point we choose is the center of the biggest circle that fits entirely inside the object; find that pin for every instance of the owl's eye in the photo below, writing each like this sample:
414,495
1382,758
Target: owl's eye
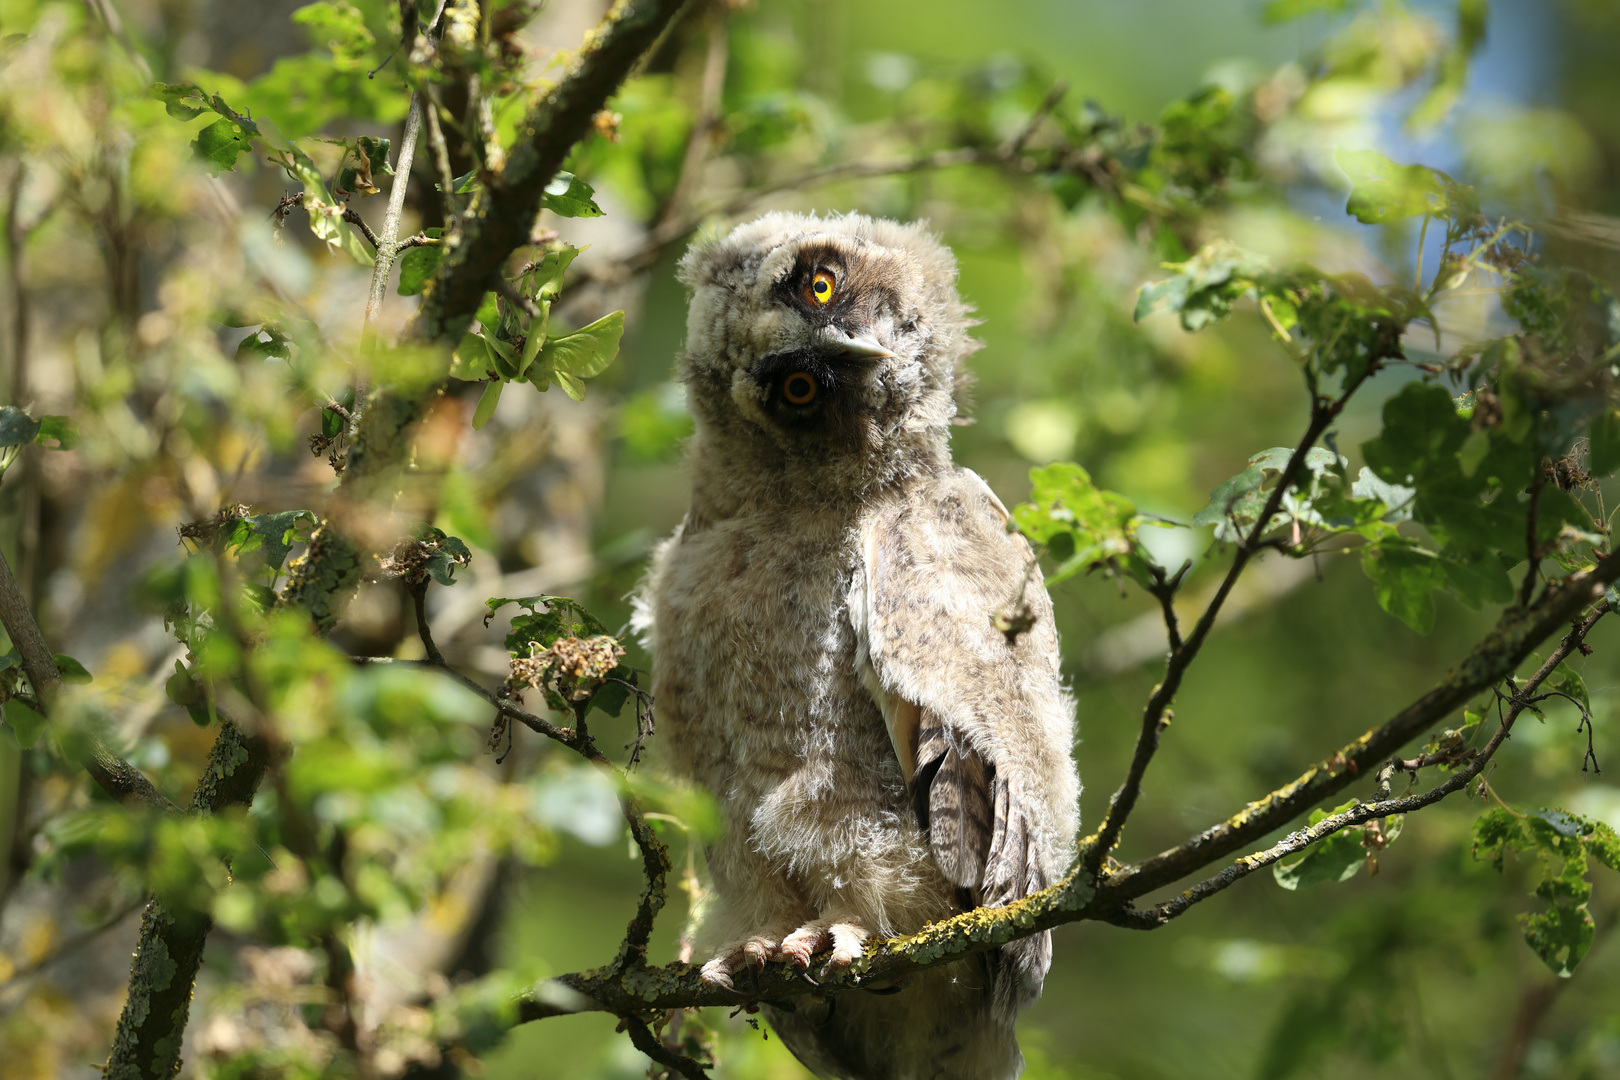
822,287
799,388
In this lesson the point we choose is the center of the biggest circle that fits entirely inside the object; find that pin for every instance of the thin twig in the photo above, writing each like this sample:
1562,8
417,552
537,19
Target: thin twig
441,164
710,87
385,242
352,216
1098,847
67,947
643,1039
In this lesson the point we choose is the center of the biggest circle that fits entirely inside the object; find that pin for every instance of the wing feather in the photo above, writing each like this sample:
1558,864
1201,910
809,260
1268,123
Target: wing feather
981,724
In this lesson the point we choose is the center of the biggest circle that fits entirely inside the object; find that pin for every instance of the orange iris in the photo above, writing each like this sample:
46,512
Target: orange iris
799,388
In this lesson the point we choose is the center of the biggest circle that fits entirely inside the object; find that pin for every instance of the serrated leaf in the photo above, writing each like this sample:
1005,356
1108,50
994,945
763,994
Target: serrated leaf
1397,498
1227,500
586,352
1081,525
569,196
1565,680
1405,577
545,619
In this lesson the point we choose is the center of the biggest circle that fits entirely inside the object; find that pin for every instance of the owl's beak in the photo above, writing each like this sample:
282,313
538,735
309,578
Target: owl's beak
862,345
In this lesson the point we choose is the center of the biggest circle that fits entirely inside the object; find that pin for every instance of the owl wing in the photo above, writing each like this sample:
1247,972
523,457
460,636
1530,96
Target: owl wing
979,719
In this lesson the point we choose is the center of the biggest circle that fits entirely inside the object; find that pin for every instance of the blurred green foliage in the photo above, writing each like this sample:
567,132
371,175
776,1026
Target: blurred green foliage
198,350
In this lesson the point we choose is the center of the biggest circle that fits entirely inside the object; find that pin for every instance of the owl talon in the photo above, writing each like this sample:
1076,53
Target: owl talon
750,954
845,937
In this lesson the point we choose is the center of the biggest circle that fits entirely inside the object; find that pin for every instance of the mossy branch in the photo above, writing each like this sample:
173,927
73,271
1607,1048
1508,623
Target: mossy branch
1080,896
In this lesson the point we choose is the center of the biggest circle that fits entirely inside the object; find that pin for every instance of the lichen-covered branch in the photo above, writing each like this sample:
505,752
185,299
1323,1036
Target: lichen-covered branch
1295,842
170,948
1081,896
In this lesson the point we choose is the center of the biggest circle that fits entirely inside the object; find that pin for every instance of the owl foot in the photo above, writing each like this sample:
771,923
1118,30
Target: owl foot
750,953
845,937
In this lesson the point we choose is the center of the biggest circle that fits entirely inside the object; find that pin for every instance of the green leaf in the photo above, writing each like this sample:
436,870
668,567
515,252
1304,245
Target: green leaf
72,671
417,267
219,144
1334,858
17,428
1562,935
177,99
1565,680
536,337
487,401
472,360
1405,577
547,276
1079,523
26,724
271,534
546,619
1206,286
1397,498
1382,191
584,353
452,552
569,196
1236,499
267,342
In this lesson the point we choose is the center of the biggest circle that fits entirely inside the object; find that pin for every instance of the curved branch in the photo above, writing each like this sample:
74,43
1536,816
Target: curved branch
1079,896
1160,914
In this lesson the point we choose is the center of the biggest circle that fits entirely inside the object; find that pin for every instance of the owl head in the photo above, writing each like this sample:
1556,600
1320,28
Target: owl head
829,344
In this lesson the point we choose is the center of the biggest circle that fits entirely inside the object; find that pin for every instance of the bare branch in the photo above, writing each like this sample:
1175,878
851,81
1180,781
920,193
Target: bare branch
643,1039
387,250
352,216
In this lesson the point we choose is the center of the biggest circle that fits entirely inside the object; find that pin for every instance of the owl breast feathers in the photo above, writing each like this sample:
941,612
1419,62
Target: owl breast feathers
827,660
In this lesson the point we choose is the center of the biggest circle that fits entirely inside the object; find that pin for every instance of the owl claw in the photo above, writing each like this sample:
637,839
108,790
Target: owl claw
845,937
751,954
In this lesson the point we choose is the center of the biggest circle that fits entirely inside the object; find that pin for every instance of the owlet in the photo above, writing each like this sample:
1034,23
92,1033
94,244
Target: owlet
826,658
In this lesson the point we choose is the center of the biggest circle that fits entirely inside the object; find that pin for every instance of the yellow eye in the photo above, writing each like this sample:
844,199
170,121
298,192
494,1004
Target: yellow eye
799,388
822,286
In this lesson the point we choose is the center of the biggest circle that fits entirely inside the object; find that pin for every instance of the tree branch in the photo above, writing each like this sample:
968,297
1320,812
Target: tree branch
1096,849
1157,916
643,1039
1517,632
494,226
1078,896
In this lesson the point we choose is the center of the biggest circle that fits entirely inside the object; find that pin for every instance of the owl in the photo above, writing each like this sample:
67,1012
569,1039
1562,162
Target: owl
826,660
